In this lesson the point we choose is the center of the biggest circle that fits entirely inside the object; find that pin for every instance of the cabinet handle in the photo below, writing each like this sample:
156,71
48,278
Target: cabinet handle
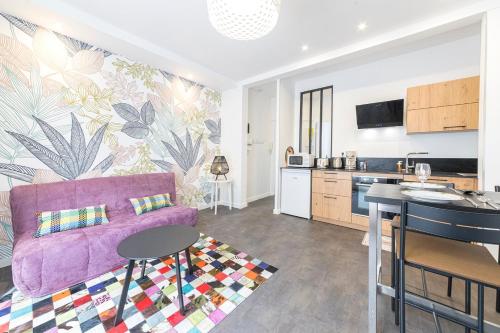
329,197
457,126
330,181
438,180
331,173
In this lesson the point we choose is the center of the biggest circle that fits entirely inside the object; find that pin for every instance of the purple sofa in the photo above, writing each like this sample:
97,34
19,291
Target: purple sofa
41,266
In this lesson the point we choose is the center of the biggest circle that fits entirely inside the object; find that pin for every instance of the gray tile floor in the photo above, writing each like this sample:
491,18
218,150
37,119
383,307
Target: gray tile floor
321,285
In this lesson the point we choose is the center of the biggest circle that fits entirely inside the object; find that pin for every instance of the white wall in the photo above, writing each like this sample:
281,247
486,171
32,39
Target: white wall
489,162
284,135
388,79
491,101
260,144
233,123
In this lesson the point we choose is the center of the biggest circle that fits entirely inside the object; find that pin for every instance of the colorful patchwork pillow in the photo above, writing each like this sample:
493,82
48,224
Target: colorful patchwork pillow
153,202
68,219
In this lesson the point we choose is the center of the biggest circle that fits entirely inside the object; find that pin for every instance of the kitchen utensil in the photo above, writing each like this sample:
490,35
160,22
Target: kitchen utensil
399,166
350,160
363,165
486,201
337,162
415,185
432,196
322,163
472,202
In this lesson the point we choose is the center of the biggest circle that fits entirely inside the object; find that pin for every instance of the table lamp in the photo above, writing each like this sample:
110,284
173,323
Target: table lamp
219,167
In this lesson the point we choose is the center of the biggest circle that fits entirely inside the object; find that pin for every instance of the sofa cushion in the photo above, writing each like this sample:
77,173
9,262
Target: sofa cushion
150,203
67,219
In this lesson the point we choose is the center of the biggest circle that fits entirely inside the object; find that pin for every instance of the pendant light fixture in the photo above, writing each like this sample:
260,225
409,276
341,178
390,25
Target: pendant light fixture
243,19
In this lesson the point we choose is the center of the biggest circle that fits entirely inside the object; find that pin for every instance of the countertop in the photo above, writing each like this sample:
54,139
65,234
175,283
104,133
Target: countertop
391,195
434,173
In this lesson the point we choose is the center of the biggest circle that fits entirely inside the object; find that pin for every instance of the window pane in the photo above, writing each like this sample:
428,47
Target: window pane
315,123
304,145
326,127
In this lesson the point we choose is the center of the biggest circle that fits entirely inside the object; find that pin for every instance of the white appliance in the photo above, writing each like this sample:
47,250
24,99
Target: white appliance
296,192
301,160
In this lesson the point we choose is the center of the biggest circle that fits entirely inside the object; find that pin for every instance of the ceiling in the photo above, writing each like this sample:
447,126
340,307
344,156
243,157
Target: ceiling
181,29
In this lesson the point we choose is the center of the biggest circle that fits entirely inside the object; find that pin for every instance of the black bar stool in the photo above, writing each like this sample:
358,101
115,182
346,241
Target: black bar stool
394,226
439,239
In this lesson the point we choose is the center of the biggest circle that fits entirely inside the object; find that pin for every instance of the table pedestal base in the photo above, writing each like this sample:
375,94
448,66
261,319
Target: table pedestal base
128,277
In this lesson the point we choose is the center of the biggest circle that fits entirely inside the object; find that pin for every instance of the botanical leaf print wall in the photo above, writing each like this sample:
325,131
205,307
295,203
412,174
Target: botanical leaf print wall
72,110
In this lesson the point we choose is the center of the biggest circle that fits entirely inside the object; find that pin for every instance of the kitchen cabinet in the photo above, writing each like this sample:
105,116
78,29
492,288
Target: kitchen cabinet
464,117
461,183
443,107
331,196
363,222
418,97
317,204
332,186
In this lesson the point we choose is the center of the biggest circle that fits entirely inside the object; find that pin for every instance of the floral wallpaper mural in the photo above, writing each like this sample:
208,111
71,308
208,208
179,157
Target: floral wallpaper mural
69,110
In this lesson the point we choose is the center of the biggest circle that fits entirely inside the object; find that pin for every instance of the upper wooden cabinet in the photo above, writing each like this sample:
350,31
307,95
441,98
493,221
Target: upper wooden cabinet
463,117
444,106
461,183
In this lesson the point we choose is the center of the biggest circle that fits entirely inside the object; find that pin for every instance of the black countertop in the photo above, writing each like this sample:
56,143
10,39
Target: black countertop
435,173
391,195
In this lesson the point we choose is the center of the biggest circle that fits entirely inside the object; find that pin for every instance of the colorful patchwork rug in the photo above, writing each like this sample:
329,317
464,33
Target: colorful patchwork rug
223,278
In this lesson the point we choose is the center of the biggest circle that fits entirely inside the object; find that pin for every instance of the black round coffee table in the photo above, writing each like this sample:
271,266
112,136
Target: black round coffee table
153,244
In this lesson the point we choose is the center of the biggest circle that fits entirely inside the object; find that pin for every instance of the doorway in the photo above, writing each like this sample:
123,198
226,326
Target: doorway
260,141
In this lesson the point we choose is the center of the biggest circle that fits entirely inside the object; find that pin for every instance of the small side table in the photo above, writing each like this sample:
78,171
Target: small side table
214,196
155,243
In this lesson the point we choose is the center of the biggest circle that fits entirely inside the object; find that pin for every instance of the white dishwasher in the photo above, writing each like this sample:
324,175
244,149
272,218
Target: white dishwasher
296,192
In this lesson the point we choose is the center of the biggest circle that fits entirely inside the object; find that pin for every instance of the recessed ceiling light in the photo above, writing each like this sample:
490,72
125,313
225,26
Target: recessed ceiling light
305,47
362,26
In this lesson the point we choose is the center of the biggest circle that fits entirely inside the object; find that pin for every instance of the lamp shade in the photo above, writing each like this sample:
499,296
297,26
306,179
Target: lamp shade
243,19
219,167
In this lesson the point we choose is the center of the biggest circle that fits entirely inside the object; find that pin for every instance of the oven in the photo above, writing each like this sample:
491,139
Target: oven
361,185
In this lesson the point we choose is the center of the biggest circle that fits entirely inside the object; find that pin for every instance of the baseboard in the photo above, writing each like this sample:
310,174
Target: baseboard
4,262
259,196
240,205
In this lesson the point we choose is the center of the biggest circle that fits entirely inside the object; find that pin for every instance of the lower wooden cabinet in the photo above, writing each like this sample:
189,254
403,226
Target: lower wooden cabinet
331,196
337,208
317,204
363,223
461,183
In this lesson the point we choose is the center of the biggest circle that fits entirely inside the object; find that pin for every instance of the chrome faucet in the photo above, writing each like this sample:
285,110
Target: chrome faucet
409,167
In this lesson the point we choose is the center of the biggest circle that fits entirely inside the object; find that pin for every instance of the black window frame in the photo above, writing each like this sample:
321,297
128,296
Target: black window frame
321,90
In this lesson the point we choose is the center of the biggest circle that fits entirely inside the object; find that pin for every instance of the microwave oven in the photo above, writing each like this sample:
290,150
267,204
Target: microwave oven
301,160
